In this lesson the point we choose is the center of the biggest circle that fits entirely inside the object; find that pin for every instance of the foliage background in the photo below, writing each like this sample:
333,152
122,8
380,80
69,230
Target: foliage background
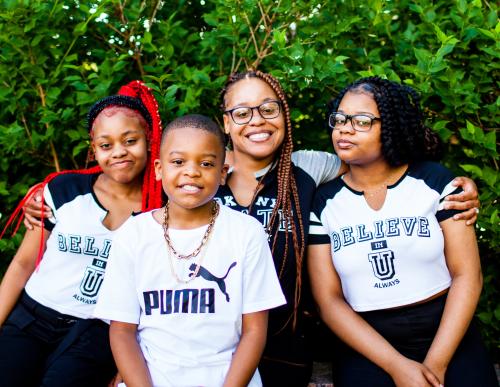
58,57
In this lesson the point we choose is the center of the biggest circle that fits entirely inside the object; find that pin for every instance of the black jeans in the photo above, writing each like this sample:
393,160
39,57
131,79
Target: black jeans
42,347
411,331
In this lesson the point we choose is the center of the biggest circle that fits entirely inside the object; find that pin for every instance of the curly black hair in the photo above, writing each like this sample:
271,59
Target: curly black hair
404,136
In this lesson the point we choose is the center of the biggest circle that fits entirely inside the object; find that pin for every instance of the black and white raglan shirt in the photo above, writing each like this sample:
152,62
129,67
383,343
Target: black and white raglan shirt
70,274
393,256
310,169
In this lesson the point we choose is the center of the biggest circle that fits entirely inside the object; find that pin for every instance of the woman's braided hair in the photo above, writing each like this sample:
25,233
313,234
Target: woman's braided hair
288,198
404,136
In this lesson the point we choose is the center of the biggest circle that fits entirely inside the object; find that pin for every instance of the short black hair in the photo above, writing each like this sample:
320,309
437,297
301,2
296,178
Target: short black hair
196,121
404,136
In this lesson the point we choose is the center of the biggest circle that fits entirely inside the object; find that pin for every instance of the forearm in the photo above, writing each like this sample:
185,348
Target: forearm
11,287
459,309
358,334
247,356
129,358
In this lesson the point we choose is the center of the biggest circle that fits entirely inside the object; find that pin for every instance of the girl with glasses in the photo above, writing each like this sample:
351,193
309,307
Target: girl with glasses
393,275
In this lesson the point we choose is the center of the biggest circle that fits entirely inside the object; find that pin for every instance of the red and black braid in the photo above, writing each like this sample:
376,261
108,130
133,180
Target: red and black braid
136,96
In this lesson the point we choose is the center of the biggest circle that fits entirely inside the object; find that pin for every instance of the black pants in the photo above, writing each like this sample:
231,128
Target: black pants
411,331
287,359
42,347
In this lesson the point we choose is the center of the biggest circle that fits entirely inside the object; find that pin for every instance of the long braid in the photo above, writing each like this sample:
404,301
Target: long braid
287,200
128,96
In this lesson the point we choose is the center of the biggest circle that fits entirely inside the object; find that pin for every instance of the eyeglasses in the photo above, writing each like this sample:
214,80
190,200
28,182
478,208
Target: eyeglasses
244,114
359,122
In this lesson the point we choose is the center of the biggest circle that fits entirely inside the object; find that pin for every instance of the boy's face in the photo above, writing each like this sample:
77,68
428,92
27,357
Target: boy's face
191,167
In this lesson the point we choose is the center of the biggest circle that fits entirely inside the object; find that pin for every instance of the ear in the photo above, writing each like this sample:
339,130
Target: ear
223,176
226,119
157,165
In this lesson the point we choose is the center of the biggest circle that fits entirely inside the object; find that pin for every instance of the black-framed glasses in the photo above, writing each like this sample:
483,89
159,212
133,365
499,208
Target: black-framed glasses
359,122
243,115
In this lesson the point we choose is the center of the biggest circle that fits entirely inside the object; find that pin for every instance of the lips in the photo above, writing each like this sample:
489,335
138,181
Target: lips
344,144
121,164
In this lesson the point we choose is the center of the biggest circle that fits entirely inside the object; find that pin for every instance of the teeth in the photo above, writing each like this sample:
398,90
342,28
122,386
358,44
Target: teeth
190,188
259,136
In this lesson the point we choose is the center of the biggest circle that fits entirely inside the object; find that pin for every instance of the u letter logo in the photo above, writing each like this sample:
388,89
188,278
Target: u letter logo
91,282
382,264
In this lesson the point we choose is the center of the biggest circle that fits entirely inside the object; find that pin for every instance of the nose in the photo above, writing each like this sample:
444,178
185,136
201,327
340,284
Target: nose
347,127
119,151
191,170
257,118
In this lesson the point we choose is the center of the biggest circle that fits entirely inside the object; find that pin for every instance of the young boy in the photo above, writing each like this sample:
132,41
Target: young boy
188,286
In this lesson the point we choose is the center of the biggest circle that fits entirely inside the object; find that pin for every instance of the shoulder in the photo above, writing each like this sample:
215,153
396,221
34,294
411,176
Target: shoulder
331,189
302,176
135,227
434,175
66,187
321,166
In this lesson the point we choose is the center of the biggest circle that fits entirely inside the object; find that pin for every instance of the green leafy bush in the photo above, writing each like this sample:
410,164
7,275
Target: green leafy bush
58,57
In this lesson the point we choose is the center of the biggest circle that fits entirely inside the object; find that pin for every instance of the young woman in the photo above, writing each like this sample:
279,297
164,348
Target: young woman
276,186
48,335
188,304
393,275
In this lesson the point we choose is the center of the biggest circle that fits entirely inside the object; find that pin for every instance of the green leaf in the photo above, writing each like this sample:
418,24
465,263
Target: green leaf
80,29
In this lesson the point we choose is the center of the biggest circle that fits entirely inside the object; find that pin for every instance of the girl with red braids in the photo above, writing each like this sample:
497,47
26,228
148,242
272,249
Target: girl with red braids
48,336
275,185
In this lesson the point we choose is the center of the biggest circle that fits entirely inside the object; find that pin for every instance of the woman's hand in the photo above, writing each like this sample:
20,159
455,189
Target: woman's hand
116,380
438,370
33,211
466,200
409,373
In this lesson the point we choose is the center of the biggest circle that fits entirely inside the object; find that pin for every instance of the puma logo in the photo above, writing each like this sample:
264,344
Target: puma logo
205,274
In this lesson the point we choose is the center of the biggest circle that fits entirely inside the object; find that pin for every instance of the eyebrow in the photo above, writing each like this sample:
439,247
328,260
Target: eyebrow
127,133
357,113
174,152
245,104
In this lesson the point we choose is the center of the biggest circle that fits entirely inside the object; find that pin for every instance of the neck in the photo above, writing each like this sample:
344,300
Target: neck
189,218
245,164
374,175
117,189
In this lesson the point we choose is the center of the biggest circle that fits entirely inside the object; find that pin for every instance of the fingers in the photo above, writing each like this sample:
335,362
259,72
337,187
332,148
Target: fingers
431,378
34,208
30,221
468,186
470,216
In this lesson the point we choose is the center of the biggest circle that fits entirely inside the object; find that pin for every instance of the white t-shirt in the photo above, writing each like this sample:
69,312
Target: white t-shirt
188,332
72,269
393,256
